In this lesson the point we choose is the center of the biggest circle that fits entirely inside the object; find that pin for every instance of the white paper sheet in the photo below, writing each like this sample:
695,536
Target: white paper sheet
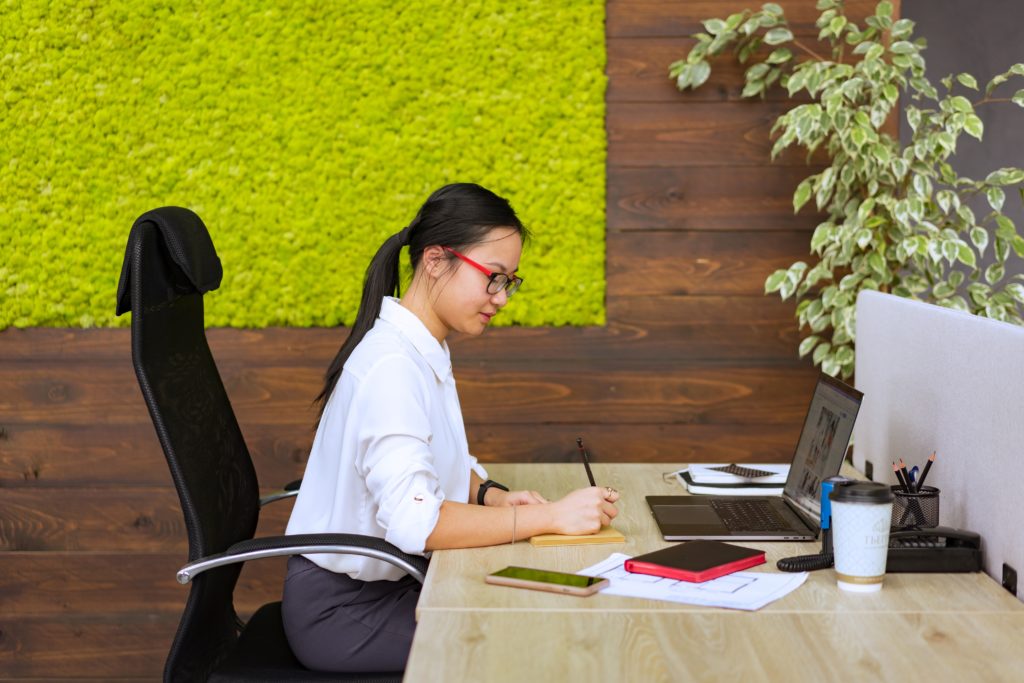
739,590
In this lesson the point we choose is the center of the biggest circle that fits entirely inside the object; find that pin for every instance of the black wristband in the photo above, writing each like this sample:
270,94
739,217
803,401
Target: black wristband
482,491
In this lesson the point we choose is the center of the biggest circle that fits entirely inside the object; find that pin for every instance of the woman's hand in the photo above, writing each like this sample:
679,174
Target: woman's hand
585,511
498,498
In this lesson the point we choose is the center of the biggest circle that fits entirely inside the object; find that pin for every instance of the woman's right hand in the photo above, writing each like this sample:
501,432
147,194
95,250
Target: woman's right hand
585,511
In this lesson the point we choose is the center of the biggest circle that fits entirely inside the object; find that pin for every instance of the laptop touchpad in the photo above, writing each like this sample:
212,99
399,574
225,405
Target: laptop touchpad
690,515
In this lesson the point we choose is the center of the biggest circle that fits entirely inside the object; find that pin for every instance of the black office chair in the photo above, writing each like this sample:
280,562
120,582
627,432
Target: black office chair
169,264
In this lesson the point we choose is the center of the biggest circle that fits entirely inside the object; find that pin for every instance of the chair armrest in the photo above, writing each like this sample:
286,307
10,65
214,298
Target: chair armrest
302,544
290,490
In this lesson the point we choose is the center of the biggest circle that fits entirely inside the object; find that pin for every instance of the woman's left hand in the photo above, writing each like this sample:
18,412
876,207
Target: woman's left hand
515,498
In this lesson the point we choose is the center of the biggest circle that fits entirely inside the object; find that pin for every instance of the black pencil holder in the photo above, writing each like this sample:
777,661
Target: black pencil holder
918,510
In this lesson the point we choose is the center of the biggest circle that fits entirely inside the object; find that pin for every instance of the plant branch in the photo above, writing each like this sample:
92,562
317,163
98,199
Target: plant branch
808,50
990,100
867,165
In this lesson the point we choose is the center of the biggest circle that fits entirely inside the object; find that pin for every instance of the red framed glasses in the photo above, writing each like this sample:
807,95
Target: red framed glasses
496,281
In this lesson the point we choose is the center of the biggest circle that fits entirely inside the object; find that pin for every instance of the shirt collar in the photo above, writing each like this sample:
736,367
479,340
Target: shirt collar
412,328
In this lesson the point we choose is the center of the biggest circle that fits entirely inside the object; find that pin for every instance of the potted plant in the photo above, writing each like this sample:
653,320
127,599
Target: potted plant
897,218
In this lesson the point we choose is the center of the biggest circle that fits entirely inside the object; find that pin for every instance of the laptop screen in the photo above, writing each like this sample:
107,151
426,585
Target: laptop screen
823,441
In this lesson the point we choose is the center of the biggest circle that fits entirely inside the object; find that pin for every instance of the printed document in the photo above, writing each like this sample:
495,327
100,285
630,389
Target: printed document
739,590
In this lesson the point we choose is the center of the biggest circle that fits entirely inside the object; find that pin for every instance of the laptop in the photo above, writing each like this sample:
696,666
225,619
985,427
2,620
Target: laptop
796,515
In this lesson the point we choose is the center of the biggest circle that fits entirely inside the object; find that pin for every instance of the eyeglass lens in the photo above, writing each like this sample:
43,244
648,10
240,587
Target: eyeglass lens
500,281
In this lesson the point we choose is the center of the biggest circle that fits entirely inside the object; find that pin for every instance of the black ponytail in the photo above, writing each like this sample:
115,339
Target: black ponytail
381,280
459,216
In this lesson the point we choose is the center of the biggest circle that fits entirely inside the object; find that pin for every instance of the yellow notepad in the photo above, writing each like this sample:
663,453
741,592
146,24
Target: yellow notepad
605,535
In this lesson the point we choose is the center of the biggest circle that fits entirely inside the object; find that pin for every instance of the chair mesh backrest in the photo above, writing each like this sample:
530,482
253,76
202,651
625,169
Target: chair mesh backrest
207,456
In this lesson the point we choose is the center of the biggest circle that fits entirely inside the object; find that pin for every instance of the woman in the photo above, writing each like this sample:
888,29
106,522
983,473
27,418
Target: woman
390,457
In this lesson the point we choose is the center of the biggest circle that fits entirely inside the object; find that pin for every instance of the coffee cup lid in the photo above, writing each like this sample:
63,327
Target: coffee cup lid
862,492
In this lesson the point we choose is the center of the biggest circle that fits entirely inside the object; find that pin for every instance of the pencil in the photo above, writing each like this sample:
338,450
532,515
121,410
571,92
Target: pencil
906,476
586,461
899,477
924,473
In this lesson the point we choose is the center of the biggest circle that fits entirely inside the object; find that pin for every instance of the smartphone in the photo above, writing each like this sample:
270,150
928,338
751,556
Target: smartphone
545,580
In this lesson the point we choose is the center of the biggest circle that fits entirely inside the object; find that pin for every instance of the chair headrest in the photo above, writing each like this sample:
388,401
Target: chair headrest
188,245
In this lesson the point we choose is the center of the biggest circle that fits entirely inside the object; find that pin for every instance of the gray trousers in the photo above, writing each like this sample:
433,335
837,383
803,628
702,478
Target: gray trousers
337,623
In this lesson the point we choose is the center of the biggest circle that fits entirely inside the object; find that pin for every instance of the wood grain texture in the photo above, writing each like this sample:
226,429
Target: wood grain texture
53,345
712,328
638,71
658,318
85,677
666,134
632,390
707,198
608,443
677,18
86,394
660,647
30,468
125,520
653,263
56,583
455,584
96,455
628,328
105,646
670,392
651,398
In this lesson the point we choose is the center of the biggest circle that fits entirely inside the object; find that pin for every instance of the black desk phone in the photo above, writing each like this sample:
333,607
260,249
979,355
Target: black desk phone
938,549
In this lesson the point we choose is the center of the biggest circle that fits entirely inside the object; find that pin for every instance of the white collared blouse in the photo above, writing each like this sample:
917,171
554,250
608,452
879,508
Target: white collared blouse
391,446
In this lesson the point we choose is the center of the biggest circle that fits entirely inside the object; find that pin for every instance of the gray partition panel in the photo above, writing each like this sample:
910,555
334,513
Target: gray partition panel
940,380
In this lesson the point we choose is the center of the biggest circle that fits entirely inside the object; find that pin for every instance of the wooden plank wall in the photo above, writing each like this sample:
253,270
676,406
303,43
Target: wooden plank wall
694,364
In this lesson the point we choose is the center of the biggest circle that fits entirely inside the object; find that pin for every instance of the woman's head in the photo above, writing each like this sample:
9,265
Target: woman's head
458,216
459,289
461,231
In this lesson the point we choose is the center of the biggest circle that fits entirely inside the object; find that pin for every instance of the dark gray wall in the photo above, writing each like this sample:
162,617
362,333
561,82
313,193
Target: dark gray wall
980,37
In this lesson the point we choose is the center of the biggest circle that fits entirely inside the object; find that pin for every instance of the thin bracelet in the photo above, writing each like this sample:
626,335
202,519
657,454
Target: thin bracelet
513,525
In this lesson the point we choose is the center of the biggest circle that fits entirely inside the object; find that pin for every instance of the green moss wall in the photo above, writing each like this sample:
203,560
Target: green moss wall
303,133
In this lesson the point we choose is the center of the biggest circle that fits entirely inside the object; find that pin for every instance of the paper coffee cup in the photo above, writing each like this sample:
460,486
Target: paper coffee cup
861,515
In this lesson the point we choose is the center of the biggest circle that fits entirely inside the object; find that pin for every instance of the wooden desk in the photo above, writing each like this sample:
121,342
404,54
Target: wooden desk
940,626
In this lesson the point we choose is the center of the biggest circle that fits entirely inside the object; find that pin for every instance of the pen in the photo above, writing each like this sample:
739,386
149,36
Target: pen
586,461
913,477
927,466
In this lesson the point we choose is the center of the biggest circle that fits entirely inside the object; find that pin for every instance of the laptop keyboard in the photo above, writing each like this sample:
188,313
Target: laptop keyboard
749,515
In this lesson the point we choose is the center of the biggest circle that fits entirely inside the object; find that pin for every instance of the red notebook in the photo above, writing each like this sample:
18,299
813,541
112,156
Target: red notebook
696,561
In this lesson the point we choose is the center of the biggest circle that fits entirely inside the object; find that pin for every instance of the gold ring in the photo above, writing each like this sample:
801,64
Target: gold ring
609,489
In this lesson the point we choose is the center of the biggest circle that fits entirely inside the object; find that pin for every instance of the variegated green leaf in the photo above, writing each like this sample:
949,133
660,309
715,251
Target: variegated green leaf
974,127
979,237
968,81
700,73
777,36
807,344
965,254
774,281
714,26
996,197
822,350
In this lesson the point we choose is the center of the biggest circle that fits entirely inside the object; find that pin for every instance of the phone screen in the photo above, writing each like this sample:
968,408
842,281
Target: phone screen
542,576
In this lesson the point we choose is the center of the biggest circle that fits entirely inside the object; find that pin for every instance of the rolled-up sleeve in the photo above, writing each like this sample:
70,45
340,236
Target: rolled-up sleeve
475,465
394,454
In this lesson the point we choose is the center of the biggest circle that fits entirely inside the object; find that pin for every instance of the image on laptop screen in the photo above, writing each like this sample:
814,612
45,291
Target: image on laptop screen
819,454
